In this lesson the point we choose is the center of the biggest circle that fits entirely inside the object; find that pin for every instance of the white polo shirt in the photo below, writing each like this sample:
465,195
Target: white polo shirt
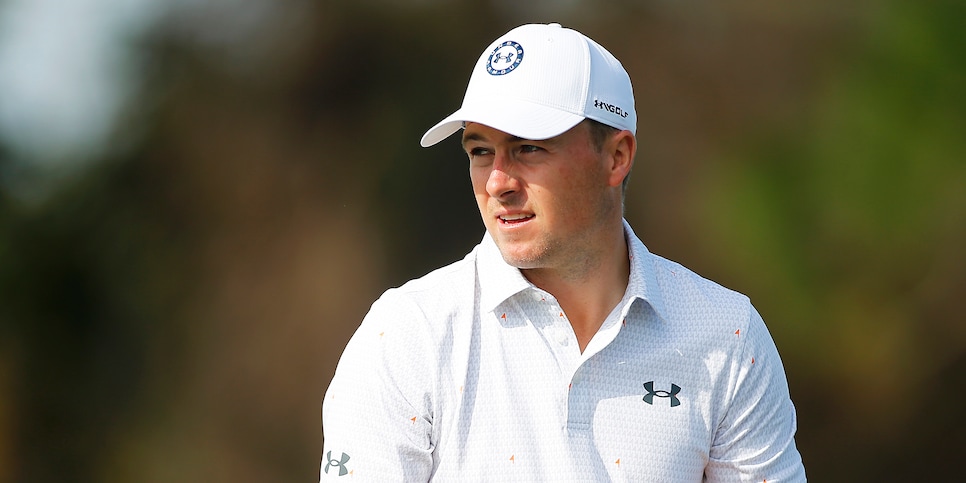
471,373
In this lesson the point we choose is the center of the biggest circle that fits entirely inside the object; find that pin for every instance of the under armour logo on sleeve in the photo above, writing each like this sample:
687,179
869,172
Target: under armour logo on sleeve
339,463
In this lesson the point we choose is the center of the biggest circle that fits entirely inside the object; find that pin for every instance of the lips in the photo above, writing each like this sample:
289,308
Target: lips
511,219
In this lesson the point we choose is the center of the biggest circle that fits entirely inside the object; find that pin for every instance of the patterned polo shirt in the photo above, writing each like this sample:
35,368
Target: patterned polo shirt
471,373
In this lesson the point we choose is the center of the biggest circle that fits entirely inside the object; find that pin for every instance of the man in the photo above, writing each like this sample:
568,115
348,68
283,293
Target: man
559,349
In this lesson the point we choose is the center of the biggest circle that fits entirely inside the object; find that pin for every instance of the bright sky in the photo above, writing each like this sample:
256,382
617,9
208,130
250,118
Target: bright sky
64,72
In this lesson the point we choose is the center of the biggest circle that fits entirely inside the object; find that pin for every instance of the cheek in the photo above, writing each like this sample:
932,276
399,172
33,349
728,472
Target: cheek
479,191
478,178
581,193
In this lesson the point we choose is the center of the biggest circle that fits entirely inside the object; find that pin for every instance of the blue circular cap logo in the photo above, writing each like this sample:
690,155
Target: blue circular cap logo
504,58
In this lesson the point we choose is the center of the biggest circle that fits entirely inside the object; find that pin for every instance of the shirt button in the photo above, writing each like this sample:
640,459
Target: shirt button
563,338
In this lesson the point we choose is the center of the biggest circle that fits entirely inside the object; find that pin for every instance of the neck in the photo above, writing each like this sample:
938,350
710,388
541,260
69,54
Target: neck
589,291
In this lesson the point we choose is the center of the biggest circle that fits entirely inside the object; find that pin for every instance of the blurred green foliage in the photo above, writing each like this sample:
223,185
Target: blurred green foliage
852,222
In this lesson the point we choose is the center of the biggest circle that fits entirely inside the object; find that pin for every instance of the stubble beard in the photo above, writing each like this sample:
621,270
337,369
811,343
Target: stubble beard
561,257
533,256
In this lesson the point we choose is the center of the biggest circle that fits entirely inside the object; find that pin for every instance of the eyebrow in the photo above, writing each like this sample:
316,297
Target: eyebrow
479,137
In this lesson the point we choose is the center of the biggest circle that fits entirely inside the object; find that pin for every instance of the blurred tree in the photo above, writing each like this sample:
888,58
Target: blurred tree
79,290
850,226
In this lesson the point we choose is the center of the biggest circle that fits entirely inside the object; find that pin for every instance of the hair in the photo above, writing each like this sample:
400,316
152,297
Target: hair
599,134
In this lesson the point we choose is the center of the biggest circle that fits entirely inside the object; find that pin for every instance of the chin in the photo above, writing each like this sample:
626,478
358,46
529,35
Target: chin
522,259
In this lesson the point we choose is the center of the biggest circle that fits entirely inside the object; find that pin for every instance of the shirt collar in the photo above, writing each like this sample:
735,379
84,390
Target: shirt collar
500,280
642,283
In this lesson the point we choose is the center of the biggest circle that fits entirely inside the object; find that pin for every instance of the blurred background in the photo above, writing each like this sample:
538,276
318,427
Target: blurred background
199,200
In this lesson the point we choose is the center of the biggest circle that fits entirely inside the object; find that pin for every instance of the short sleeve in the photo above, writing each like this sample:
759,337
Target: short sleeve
755,440
377,411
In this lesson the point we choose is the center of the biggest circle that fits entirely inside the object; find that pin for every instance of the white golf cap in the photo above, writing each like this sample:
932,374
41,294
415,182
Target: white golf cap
537,81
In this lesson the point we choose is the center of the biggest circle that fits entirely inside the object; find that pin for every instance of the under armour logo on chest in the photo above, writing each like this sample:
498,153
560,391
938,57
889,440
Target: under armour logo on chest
672,394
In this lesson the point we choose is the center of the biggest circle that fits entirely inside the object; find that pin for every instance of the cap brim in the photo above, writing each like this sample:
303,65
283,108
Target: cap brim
526,120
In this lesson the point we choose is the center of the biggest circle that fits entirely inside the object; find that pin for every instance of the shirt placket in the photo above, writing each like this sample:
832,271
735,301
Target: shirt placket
581,398
549,319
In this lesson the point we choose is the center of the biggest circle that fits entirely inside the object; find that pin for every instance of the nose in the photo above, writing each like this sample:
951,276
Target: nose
502,182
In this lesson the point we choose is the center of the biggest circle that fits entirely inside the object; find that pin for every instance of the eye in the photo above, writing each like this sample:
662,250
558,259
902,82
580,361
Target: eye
474,152
529,148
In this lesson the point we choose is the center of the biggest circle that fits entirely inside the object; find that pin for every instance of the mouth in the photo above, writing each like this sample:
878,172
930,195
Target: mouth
514,219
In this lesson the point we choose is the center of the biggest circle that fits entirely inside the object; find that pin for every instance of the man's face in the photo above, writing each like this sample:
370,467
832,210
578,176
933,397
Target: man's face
545,203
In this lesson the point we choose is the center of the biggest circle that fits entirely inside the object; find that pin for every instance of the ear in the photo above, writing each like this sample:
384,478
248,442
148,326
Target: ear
620,150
